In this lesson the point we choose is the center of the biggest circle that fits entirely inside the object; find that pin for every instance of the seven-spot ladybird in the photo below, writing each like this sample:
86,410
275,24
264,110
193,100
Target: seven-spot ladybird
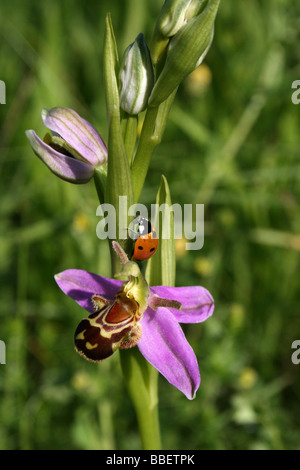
146,242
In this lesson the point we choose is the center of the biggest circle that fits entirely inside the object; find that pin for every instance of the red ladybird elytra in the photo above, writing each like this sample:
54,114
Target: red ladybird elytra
146,242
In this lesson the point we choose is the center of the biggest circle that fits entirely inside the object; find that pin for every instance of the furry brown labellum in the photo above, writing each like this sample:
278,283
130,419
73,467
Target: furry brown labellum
113,325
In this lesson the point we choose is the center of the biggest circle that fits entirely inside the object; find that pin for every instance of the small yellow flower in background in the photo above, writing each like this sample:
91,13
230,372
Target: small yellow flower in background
81,381
237,315
227,217
248,377
198,81
81,222
203,266
180,247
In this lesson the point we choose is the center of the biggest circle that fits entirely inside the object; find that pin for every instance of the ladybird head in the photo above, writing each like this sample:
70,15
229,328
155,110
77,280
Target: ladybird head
146,242
139,226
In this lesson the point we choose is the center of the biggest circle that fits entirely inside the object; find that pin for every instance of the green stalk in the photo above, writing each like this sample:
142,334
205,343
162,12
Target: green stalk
151,135
100,175
142,385
129,126
140,379
139,376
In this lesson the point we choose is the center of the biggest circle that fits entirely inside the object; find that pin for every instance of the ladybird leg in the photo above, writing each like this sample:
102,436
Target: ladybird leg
134,235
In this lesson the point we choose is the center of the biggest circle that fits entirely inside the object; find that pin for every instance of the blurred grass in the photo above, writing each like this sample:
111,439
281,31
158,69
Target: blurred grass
232,142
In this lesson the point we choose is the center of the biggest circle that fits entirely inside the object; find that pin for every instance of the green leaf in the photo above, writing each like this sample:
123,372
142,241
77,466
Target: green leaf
119,180
111,69
161,268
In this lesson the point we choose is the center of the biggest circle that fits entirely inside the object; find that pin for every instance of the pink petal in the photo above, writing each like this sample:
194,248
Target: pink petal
197,303
67,168
164,345
77,132
81,286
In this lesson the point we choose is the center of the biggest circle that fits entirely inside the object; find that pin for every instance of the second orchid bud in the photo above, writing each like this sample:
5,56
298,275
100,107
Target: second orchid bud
136,77
175,14
186,50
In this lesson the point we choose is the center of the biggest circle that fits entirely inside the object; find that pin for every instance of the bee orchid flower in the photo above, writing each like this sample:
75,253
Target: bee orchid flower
160,337
73,150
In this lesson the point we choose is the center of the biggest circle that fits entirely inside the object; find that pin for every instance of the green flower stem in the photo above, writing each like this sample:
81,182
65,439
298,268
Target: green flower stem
100,174
140,377
142,385
129,126
159,46
119,181
151,135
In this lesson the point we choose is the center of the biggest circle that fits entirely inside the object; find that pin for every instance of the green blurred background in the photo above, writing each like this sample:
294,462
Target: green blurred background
231,143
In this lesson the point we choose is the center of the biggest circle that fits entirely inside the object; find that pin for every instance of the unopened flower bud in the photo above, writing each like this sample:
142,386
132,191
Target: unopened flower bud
186,51
136,77
176,13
